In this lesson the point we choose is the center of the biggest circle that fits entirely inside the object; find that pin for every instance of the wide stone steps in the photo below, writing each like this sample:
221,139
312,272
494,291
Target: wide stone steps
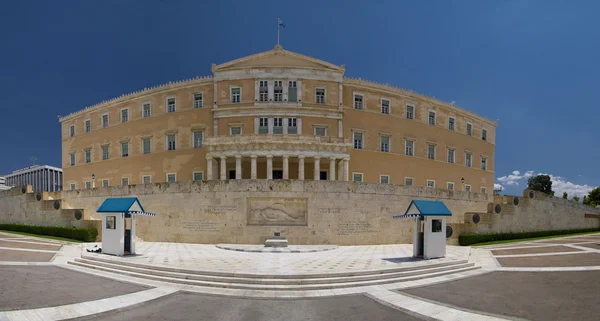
276,282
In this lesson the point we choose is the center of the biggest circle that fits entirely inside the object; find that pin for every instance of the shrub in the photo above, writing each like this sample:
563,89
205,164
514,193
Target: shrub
81,234
469,239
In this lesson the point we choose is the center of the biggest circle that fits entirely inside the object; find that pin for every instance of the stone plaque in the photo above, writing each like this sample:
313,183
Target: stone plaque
220,209
355,227
278,211
202,226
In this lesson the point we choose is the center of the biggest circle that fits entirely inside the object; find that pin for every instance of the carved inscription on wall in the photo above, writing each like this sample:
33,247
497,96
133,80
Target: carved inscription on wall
355,227
220,209
278,211
330,210
202,226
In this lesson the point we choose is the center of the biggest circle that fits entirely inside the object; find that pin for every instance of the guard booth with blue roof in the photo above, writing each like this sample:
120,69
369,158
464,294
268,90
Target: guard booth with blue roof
429,233
118,224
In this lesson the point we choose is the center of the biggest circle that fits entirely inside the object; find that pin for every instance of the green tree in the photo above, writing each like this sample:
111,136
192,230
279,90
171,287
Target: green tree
576,198
586,201
565,195
541,183
594,197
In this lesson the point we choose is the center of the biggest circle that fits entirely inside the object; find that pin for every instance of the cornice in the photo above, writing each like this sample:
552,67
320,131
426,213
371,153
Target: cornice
359,82
140,93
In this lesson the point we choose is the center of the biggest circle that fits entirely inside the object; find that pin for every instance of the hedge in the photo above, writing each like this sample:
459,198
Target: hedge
81,234
469,239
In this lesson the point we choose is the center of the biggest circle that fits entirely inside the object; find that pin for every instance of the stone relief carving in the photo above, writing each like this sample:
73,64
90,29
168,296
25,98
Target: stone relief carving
277,211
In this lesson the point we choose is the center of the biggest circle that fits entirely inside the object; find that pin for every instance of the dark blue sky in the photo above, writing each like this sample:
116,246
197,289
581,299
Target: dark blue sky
532,65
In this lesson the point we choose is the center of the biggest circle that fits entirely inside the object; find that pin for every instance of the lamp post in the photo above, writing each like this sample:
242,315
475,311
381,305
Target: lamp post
93,180
462,180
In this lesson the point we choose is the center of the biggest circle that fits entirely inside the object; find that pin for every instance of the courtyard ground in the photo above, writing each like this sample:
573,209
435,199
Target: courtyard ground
552,279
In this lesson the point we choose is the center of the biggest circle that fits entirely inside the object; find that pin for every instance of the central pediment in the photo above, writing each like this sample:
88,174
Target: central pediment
277,58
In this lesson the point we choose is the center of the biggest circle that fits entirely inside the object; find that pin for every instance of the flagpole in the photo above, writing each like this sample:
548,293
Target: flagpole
278,31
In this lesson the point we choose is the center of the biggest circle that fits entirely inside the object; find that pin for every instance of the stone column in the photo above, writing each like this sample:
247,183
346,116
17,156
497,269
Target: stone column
269,166
346,169
332,168
209,168
317,175
286,174
253,166
223,168
238,166
301,167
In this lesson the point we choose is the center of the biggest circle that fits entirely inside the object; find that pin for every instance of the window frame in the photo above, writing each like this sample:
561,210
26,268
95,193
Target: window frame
412,181
362,139
107,183
144,177
389,106
427,183
453,122
362,177
149,104
483,190
453,152
382,176
412,113
448,186
107,120
126,110
468,188
124,144
429,112
87,152
87,184
174,142
107,152
235,126
72,131
434,151
194,101
263,96
484,134
174,104
231,100
412,154
124,178
484,161
468,131
362,101
194,176
324,95
167,177
87,129
149,139
194,138
292,121
72,159
279,127
73,186
468,160
111,219
320,127
275,83
389,143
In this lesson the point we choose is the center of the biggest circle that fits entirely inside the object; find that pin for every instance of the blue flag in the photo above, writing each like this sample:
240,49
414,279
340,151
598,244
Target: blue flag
280,23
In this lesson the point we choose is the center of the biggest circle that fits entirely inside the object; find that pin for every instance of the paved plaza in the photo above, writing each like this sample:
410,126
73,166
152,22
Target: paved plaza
552,279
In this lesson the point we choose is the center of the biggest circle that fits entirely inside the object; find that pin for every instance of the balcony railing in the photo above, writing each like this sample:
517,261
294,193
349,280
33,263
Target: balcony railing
283,138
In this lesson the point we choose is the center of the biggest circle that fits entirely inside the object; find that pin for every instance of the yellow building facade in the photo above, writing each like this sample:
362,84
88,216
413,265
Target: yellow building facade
278,115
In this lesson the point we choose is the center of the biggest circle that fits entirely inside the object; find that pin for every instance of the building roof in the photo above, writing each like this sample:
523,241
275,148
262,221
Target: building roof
31,169
425,208
118,205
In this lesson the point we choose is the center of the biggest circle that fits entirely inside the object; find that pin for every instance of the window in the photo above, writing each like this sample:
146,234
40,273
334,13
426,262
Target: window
436,226
88,185
385,143
72,159
198,137
484,163
358,140
147,145
357,177
410,112
73,186
263,125
320,131
236,94
385,106
358,101
72,131
408,181
104,120
483,190
430,151
125,181
451,153
384,179
320,95
431,183
484,134
450,186
278,91
409,148
468,188
124,149
88,155
147,179
469,129
292,91
105,183
124,115
292,126
171,105
431,118
451,123
105,152
278,125
468,159
198,100
235,130
111,222
198,176
171,178
88,126
171,142
263,90
146,111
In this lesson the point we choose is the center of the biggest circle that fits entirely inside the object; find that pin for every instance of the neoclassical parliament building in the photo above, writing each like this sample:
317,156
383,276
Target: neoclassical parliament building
278,115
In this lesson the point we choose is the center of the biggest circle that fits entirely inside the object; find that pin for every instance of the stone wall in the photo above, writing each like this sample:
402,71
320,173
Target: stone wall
534,211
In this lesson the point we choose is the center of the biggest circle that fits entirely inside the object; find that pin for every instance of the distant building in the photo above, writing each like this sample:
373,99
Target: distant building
40,177
3,184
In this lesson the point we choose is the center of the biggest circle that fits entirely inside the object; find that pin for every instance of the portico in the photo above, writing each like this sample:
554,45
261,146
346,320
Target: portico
277,157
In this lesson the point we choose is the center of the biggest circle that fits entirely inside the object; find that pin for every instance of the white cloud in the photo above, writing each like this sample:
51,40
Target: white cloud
559,184
498,187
